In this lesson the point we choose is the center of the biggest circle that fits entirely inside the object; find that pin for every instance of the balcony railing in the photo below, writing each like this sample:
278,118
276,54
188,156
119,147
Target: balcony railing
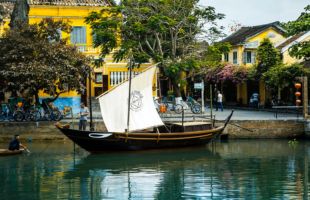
88,49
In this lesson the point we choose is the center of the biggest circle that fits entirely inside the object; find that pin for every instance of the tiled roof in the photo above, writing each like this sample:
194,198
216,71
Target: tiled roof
65,2
71,2
290,40
6,6
243,33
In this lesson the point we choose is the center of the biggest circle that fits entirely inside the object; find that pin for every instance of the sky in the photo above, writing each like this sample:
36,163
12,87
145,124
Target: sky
256,12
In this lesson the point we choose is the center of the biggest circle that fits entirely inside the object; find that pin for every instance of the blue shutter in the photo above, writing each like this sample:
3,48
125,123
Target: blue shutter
78,35
253,57
83,35
244,57
235,57
73,35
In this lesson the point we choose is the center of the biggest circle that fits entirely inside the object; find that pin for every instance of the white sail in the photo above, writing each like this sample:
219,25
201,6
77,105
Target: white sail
143,114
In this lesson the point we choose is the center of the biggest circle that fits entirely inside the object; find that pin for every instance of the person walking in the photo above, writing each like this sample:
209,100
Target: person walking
83,117
219,101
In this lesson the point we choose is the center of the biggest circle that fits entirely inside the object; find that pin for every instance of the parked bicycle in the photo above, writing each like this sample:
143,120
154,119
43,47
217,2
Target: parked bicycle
194,106
6,113
29,113
171,105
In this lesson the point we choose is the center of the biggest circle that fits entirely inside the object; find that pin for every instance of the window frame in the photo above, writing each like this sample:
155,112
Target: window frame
96,77
235,59
83,40
226,57
248,57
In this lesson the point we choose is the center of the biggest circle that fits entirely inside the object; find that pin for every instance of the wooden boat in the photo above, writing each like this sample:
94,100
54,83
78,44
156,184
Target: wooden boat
6,152
134,124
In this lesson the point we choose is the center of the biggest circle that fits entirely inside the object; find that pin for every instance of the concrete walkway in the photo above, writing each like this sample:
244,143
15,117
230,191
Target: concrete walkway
256,115
238,115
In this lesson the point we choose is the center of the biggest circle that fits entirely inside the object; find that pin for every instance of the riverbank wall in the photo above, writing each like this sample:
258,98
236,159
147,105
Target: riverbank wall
30,131
254,129
236,129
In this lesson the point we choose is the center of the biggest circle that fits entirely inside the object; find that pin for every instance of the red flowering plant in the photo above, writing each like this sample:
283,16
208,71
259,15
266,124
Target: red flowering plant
226,72
236,74
240,74
211,73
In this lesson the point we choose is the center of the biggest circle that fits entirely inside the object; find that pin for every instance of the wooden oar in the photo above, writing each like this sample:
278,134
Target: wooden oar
27,150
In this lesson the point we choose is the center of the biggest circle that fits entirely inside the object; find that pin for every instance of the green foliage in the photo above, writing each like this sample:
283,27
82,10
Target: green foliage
213,54
253,74
301,24
35,58
164,31
267,57
293,143
281,76
301,50
174,69
209,62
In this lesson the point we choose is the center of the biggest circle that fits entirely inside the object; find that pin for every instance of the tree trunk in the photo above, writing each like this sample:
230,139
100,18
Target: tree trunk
176,88
36,95
19,15
279,95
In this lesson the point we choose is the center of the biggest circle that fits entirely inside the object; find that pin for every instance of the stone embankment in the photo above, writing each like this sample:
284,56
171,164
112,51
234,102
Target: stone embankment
265,129
32,131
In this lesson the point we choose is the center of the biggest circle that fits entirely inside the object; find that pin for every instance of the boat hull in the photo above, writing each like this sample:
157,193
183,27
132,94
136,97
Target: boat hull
179,135
6,152
105,141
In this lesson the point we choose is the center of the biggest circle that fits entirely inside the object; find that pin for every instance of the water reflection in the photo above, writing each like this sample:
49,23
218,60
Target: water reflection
140,175
249,169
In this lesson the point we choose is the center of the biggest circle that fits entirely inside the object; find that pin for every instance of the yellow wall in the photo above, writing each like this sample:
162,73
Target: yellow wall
75,16
287,59
122,67
275,37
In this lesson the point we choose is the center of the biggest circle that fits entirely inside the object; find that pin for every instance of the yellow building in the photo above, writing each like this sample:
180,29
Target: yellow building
289,42
74,12
244,43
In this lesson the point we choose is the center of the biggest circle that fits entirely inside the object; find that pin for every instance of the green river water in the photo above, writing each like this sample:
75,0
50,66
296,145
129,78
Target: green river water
237,169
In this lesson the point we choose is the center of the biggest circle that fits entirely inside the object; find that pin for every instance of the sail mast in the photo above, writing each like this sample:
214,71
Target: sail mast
129,94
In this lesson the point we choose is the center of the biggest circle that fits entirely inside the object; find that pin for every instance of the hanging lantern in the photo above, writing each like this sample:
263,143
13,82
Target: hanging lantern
297,94
298,101
297,86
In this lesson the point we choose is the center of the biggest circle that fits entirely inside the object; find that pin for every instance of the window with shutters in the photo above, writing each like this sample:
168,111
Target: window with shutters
235,57
78,35
249,57
98,77
226,57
